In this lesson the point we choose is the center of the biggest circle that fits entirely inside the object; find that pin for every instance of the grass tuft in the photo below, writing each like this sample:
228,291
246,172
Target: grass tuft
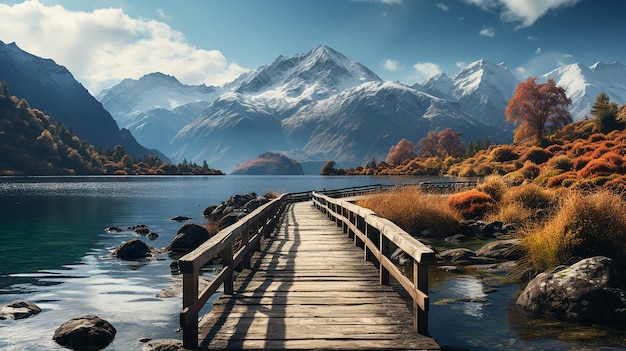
415,211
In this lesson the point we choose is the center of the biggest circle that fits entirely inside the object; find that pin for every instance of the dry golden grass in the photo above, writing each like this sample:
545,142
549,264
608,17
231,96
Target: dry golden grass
586,224
415,211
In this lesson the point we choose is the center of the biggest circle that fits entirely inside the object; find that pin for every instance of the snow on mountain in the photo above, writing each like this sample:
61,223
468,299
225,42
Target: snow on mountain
154,90
482,88
291,82
156,106
583,85
364,122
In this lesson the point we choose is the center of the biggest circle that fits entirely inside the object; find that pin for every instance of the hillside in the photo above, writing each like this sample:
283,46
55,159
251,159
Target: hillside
269,164
32,144
574,157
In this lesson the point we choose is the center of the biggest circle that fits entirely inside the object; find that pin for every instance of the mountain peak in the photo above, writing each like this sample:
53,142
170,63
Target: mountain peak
316,74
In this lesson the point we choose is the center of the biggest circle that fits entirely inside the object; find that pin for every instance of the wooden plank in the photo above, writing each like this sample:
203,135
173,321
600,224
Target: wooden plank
309,288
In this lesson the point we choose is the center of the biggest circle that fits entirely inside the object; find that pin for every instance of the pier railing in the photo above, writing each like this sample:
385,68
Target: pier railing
234,245
379,238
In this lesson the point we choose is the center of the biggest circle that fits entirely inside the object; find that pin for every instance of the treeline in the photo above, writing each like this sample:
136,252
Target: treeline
32,144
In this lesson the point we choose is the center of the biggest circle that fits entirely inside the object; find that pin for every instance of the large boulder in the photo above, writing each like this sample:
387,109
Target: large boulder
235,208
18,310
134,249
591,290
85,333
188,238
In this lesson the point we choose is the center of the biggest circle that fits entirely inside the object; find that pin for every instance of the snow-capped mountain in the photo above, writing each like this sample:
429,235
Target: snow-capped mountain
482,88
52,88
291,82
583,85
156,106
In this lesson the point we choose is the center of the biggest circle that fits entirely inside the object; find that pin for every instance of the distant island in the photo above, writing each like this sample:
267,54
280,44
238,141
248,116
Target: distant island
269,163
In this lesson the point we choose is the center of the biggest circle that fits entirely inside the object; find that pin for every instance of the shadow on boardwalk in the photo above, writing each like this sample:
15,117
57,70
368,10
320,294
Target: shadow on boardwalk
309,288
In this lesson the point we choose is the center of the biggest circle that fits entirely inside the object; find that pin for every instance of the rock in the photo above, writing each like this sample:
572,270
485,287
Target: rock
134,249
208,210
452,269
501,249
112,229
152,236
18,310
591,290
137,226
163,345
85,333
255,203
180,218
188,238
142,231
456,239
454,255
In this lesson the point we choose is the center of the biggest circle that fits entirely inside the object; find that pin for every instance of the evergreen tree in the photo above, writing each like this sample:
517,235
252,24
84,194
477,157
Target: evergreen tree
605,111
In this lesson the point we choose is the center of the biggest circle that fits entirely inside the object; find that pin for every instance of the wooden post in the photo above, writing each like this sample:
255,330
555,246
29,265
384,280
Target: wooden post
189,321
384,250
420,316
227,261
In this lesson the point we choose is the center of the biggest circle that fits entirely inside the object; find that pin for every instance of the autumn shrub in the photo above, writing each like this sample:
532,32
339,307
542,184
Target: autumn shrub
494,186
580,162
537,155
597,167
504,153
586,224
617,186
595,137
530,170
561,162
414,211
531,196
471,203
557,180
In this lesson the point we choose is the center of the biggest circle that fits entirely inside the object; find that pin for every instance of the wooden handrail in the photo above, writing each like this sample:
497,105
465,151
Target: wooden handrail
378,237
249,231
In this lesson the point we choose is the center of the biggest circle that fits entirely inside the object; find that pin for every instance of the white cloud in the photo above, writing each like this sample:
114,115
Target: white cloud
104,46
425,70
538,51
443,7
161,13
488,32
460,64
525,12
391,65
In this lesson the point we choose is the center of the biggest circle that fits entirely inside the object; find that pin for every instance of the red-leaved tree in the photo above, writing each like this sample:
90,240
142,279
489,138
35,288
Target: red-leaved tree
538,108
401,152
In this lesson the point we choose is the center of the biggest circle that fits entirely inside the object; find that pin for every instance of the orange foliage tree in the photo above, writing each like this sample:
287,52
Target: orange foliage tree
400,152
538,108
444,143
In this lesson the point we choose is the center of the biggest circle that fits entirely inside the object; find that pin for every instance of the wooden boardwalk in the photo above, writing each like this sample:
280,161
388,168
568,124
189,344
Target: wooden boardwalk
309,288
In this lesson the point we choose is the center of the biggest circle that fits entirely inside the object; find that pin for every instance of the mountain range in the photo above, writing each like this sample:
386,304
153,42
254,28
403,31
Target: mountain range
51,88
321,105
312,107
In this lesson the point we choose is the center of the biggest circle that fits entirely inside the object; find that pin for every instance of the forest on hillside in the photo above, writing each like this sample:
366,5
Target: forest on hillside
32,144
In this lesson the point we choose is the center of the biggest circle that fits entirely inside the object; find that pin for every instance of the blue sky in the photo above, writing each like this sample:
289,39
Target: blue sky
213,41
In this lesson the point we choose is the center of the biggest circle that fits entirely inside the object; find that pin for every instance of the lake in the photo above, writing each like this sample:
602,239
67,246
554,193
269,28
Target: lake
54,247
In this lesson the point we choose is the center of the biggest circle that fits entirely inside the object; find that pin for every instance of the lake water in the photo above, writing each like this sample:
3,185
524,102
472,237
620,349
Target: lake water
53,252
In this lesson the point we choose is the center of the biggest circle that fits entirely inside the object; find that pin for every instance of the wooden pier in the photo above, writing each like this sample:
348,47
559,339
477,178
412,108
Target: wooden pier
309,286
